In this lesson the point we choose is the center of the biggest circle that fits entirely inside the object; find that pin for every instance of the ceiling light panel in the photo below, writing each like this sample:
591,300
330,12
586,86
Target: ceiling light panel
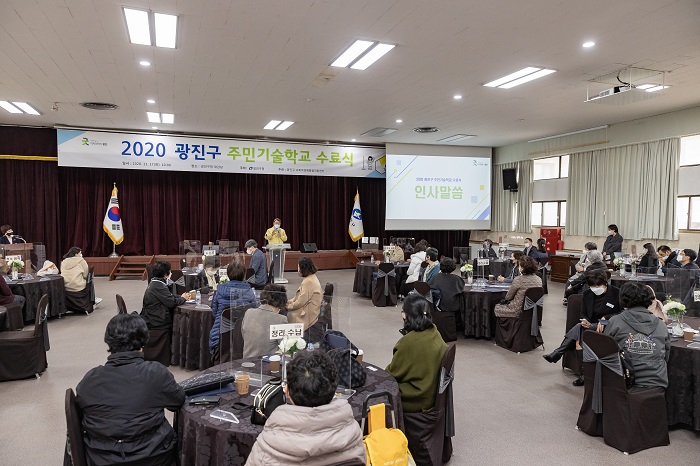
284,125
351,54
656,88
168,118
166,30
272,124
137,26
26,108
153,117
512,76
375,53
528,78
9,107
646,86
457,137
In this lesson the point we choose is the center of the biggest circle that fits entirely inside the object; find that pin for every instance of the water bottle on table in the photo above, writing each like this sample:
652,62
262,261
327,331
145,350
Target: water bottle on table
198,298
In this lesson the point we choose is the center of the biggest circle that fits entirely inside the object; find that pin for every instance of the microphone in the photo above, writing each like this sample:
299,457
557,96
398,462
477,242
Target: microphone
18,237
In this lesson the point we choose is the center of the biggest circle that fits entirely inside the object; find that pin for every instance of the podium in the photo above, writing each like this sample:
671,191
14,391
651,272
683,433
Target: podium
276,254
20,249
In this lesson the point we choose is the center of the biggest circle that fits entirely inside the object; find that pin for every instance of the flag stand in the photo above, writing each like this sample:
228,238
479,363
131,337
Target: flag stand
359,249
114,254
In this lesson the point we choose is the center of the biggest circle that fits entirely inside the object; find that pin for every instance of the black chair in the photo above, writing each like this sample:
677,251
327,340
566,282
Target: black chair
121,305
14,317
573,314
521,334
633,419
271,273
75,448
158,347
444,321
229,345
149,271
430,433
91,286
249,273
23,353
384,289
326,315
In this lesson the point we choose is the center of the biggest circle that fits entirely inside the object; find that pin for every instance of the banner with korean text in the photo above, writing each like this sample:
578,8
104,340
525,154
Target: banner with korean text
97,149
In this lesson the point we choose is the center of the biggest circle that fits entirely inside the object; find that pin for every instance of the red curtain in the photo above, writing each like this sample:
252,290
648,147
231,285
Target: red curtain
64,207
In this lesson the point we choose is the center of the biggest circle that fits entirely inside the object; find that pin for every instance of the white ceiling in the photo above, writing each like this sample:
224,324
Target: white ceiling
240,64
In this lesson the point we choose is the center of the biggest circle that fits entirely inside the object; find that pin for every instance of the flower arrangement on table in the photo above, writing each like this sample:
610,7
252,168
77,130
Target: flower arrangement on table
619,262
292,345
15,264
502,251
674,309
467,268
223,278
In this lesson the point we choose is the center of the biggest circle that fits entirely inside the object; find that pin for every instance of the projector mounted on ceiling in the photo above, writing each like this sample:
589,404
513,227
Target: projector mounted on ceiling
630,85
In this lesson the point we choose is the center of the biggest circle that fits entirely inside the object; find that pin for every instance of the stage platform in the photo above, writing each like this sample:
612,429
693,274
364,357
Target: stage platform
324,260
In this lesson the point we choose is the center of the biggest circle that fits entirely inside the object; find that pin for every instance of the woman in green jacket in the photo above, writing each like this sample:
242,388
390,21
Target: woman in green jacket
417,356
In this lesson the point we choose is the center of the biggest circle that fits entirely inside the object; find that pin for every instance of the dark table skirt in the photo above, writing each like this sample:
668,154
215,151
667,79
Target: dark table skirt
683,392
190,341
479,318
203,440
34,289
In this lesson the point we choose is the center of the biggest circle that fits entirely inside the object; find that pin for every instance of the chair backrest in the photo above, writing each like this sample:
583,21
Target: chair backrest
386,267
534,294
422,288
446,368
227,340
149,271
249,272
121,305
40,318
90,284
75,430
237,340
601,344
271,272
573,310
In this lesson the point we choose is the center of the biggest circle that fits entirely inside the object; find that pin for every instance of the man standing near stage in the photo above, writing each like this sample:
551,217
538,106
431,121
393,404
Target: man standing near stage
276,235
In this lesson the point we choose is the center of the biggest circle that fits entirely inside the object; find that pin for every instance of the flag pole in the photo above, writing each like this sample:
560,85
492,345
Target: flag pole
114,254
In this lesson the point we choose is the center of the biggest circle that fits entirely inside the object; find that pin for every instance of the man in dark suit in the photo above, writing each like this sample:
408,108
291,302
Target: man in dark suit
7,233
529,250
668,258
686,277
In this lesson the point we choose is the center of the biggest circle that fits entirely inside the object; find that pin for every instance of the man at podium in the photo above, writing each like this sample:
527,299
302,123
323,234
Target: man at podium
276,235
7,235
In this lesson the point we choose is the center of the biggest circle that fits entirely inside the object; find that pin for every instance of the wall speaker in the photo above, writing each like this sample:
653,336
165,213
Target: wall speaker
510,179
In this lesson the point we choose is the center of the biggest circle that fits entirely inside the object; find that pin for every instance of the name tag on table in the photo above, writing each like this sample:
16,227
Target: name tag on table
480,262
610,305
696,295
279,331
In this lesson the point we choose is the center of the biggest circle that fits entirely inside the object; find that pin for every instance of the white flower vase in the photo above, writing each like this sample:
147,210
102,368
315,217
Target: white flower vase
678,326
622,270
15,273
634,270
470,277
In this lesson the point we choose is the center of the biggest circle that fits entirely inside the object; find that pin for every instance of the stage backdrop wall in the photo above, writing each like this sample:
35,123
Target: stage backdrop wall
62,207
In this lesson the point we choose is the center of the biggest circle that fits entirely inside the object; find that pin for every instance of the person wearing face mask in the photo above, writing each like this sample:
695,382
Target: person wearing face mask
529,250
515,268
595,262
512,305
276,235
613,243
668,258
685,278
581,264
649,263
158,309
598,303
487,251
305,306
7,235
257,263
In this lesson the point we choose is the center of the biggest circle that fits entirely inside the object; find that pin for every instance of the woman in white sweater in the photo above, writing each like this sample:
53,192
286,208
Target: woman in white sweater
74,271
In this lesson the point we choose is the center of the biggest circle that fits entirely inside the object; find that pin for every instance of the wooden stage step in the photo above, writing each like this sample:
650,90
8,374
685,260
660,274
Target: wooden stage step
131,266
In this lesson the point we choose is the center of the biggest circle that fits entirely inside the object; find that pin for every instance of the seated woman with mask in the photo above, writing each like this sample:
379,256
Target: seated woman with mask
599,302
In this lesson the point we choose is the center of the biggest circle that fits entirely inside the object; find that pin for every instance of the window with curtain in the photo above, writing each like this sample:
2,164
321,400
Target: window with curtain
549,214
551,168
511,210
690,151
688,212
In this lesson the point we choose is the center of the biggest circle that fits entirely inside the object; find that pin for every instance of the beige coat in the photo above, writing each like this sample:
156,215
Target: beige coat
305,307
74,271
323,435
516,295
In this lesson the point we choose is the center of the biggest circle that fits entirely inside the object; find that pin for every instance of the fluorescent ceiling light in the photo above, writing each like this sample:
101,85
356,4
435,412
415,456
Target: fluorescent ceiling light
145,63
9,107
645,86
153,117
353,140
399,121
168,118
651,89
151,101
272,124
529,77
588,44
457,97
137,25
284,125
166,30
354,51
457,137
373,55
154,127
512,76
26,108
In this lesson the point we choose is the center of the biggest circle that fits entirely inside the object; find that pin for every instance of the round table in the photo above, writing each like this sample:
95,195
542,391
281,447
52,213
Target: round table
190,341
496,267
363,276
683,392
203,440
479,318
34,288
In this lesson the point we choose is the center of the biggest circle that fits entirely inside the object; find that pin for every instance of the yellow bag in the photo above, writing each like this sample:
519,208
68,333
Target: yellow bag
385,446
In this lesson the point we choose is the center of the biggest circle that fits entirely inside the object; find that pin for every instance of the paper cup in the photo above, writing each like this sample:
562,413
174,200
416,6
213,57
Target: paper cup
688,335
193,295
360,353
274,363
491,278
242,384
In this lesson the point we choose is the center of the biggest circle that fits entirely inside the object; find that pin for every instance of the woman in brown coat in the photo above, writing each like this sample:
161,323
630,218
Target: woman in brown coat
305,307
516,293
